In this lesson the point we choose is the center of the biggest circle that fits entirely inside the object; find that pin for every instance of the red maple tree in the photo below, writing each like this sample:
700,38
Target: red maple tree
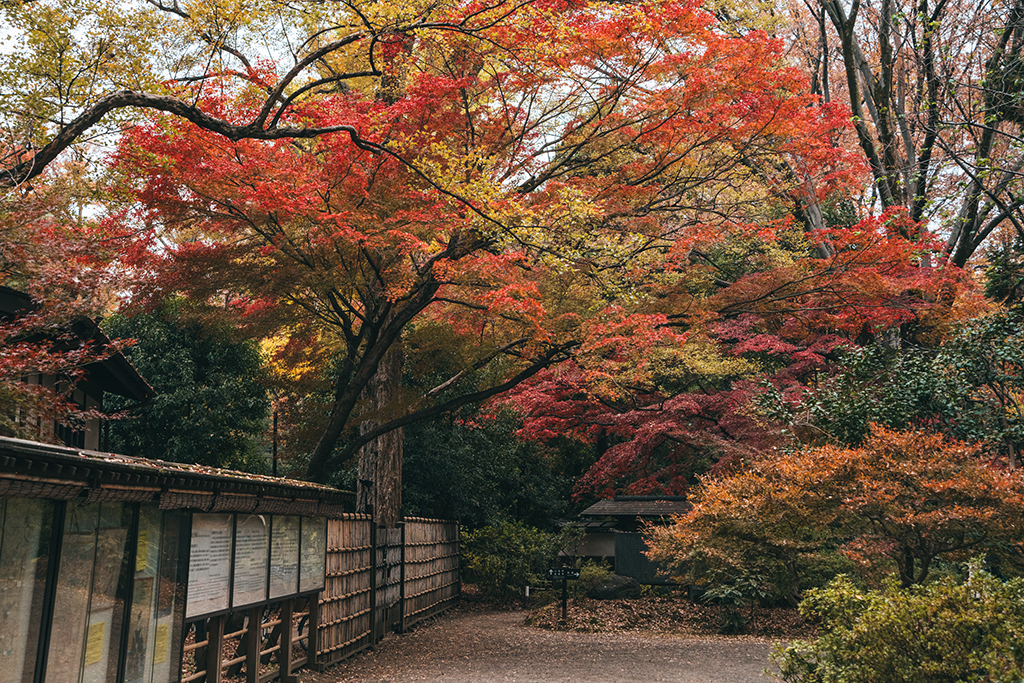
54,274
678,413
509,195
902,501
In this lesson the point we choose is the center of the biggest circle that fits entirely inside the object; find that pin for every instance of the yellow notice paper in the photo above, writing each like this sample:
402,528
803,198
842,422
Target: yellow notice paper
142,550
94,646
160,648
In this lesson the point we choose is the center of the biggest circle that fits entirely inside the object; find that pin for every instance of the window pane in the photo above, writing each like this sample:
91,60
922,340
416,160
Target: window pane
91,585
109,588
209,567
170,599
25,527
74,581
284,556
252,541
142,629
314,553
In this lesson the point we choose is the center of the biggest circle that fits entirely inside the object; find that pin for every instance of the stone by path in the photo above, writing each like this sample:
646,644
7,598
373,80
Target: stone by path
495,647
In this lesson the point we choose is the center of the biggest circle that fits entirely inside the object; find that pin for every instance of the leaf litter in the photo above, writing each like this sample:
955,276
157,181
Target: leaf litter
666,615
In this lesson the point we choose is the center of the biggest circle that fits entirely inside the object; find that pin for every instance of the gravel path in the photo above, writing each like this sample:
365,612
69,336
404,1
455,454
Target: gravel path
493,647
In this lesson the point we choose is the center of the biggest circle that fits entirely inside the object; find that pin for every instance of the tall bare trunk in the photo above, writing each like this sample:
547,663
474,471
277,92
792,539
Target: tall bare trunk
380,461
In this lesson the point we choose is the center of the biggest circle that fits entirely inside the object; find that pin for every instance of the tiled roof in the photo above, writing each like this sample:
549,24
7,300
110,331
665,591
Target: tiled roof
114,373
31,469
647,507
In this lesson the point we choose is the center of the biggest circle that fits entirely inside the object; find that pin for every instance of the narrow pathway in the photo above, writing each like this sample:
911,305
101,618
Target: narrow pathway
494,647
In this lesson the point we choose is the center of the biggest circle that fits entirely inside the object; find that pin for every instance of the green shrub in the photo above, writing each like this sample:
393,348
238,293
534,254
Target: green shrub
506,557
591,574
734,594
947,630
480,473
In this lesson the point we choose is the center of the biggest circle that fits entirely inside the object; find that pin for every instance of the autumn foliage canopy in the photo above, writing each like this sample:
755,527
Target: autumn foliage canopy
501,196
640,225
782,318
55,275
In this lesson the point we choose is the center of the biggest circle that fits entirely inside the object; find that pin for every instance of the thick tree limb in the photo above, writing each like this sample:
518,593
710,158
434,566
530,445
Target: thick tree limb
33,166
323,471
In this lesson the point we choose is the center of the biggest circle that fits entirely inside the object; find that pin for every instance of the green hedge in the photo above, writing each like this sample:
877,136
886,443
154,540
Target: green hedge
506,557
949,630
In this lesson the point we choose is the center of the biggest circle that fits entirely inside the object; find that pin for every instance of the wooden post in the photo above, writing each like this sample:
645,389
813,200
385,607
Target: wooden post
252,645
215,643
374,635
284,655
313,633
401,582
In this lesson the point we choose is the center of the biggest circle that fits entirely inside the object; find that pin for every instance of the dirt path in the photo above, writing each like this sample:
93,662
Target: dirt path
493,647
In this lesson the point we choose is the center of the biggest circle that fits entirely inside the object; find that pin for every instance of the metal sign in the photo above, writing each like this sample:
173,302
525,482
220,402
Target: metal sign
563,573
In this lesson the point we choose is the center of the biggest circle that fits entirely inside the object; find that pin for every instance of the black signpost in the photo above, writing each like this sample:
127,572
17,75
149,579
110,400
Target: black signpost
563,573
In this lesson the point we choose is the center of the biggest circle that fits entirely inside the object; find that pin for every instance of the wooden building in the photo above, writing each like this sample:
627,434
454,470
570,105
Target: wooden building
103,558
117,569
113,375
614,532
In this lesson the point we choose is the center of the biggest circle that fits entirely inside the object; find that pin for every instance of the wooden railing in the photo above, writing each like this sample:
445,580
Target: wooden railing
229,648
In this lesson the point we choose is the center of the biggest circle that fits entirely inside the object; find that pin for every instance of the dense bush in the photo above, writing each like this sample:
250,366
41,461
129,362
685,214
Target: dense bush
591,574
506,557
211,405
735,594
948,630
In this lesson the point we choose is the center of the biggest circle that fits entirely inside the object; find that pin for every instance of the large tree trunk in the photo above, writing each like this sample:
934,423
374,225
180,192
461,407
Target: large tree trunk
380,462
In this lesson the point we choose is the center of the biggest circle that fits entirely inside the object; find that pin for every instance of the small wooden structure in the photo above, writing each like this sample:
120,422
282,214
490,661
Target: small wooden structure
113,375
614,531
129,570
